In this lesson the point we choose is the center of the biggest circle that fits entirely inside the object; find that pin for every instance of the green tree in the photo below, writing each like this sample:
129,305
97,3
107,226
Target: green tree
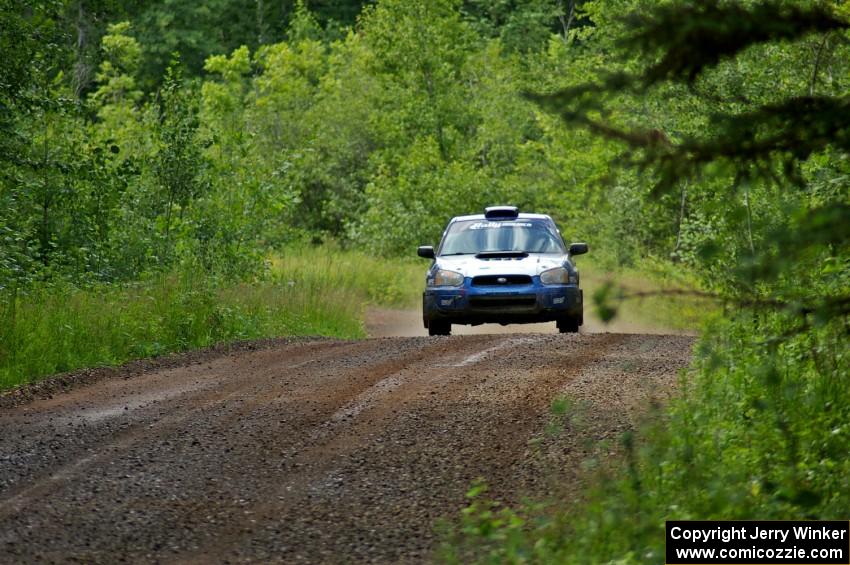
522,25
177,163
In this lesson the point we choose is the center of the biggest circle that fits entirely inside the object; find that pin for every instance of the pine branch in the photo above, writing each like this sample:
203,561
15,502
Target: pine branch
698,35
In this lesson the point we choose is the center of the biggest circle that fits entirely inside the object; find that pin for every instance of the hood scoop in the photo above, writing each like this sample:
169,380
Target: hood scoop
501,255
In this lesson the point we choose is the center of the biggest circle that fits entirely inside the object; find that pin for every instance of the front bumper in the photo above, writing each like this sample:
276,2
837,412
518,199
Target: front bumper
508,304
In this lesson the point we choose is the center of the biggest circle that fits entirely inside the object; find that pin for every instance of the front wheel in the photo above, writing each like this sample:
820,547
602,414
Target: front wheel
568,325
439,327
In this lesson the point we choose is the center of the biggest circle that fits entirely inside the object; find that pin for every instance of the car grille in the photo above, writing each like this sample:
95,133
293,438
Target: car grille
502,301
500,280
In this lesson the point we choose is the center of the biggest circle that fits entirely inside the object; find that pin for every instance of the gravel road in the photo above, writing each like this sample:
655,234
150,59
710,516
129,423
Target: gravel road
313,450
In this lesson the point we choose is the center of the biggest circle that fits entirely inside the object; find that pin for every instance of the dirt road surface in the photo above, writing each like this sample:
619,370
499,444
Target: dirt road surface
313,451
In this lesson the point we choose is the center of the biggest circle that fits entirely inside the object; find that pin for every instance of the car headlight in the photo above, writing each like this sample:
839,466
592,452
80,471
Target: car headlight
558,276
446,278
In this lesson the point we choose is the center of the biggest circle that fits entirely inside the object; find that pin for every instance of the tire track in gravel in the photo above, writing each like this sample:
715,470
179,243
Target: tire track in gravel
219,387
320,459
211,393
87,405
353,424
310,452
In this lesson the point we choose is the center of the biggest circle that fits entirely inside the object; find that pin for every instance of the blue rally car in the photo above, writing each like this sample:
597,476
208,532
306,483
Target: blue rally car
502,267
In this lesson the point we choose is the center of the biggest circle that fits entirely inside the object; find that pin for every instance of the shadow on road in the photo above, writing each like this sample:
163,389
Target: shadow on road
383,322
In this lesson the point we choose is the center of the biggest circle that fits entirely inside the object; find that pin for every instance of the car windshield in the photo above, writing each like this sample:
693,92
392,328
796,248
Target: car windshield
523,235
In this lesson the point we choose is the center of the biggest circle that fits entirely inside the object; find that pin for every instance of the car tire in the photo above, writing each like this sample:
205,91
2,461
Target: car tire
439,327
568,325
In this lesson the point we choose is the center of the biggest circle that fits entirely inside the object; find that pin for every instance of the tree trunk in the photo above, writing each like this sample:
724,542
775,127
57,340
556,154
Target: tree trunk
567,20
682,206
749,219
82,70
261,22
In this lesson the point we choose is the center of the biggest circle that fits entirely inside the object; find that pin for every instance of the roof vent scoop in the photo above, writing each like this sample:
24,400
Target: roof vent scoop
501,213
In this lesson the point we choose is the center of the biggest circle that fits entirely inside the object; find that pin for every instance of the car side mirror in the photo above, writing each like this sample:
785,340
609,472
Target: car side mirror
425,251
578,248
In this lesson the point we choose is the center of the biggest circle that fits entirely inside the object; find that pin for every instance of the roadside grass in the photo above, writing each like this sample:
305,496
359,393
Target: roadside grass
321,291
659,281
328,271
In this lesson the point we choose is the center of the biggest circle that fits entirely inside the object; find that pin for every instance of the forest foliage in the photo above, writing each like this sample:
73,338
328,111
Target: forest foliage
371,135
146,140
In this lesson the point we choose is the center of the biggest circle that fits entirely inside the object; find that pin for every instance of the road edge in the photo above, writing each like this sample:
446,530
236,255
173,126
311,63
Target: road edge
60,383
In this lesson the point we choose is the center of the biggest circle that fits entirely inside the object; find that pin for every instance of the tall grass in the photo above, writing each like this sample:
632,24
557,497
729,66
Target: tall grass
328,271
48,329
658,307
